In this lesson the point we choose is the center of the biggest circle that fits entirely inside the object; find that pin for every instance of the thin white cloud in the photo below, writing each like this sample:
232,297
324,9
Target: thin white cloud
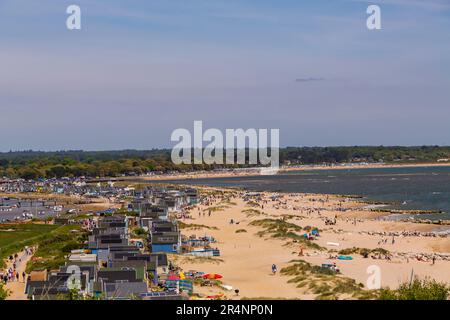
423,4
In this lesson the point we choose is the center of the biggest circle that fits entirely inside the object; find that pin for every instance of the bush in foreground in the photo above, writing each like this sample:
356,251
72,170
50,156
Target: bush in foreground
417,290
3,293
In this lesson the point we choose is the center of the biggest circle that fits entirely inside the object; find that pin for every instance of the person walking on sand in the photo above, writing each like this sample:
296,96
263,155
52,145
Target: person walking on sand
274,269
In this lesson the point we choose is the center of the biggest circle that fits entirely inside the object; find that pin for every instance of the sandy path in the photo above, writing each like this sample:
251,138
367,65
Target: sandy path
17,288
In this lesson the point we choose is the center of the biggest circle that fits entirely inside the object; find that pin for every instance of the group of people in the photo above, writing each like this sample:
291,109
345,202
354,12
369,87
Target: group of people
12,274
385,240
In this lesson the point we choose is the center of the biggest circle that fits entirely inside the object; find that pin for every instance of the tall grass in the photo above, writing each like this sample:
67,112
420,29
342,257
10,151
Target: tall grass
425,289
14,237
279,228
323,282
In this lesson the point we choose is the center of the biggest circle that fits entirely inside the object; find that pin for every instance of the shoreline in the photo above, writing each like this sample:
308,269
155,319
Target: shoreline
255,171
393,207
376,207
254,250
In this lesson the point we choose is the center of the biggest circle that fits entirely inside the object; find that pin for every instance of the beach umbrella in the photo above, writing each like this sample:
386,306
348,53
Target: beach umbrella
173,278
212,276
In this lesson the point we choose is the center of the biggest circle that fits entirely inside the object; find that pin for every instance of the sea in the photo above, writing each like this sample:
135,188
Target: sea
403,188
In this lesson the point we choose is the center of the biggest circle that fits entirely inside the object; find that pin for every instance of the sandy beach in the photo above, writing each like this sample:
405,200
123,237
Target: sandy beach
247,256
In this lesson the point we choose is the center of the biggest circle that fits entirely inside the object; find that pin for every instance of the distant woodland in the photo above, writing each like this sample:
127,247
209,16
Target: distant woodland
76,163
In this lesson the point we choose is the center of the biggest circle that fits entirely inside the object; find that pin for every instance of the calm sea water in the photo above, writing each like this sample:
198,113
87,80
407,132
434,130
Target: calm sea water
418,188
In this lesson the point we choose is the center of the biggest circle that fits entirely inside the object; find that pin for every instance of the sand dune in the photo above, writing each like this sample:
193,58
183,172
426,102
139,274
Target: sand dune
247,258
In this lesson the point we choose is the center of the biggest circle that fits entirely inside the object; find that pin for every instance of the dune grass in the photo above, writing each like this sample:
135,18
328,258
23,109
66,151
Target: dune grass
54,247
194,259
14,237
279,228
193,226
324,283
253,204
363,251
217,208
253,213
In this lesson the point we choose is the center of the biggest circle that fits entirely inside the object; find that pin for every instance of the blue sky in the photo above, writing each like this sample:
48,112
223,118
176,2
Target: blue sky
140,69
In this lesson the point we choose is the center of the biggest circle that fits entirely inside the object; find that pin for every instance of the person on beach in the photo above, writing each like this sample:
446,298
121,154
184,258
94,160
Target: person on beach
274,269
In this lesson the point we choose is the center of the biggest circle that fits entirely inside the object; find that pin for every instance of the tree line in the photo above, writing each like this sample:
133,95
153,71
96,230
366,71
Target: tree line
76,163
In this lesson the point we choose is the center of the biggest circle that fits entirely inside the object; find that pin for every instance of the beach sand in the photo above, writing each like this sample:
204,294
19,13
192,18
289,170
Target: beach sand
246,258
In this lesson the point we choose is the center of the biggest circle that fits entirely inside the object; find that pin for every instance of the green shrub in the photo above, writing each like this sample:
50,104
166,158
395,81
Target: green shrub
417,290
140,232
3,292
278,228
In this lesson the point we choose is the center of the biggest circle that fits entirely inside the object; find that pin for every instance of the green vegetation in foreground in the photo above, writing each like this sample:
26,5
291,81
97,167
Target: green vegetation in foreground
75,295
55,246
278,228
14,237
325,283
3,292
418,290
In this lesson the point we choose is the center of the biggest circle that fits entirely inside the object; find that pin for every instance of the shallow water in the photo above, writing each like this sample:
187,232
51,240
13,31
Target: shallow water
414,188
